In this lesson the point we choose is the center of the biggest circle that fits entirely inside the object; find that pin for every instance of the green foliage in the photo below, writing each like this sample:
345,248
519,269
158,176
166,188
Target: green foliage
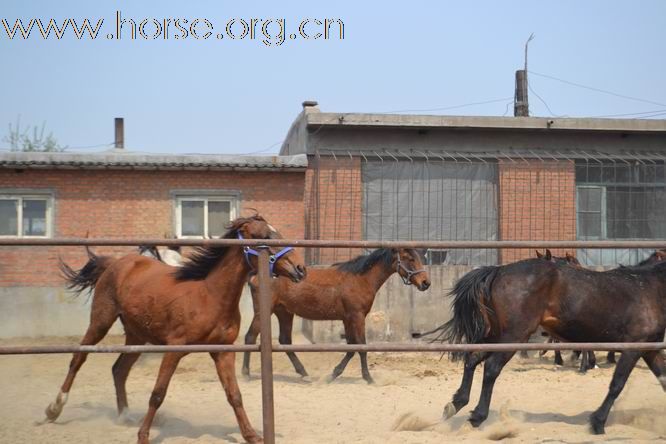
31,138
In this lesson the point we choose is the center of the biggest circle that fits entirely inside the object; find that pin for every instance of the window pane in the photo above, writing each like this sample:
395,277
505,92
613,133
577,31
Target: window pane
589,225
589,199
219,216
8,217
34,217
192,218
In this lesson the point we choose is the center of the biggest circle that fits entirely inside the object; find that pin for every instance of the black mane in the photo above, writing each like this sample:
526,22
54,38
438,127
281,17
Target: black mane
202,261
362,264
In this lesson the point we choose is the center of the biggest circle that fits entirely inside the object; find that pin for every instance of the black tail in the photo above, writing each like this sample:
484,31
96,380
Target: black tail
469,323
85,278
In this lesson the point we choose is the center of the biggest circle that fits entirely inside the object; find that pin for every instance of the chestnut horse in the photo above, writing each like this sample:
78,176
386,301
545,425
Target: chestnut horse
159,304
345,292
500,304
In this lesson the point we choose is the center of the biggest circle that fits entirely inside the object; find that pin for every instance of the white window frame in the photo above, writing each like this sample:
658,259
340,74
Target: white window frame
205,198
602,212
20,197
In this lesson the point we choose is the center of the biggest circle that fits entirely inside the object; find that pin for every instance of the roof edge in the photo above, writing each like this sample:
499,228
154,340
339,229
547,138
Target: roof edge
486,122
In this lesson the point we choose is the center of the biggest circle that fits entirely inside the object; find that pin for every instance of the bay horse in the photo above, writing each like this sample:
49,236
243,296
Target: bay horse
344,291
501,304
159,304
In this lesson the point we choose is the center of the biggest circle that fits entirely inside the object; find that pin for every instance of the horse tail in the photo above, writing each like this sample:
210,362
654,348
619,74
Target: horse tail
471,312
86,278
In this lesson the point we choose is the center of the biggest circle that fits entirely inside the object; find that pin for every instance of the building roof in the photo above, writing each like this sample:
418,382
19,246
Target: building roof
121,159
315,131
485,122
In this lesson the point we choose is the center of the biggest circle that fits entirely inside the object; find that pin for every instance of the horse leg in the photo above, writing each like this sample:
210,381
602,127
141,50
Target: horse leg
610,357
584,362
286,321
250,338
461,397
655,361
224,363
167,368
349,335
121,369
558,358
358,325
623,369
102,316
491,370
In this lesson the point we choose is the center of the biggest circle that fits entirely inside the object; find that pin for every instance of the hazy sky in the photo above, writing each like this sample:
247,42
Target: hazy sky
240,96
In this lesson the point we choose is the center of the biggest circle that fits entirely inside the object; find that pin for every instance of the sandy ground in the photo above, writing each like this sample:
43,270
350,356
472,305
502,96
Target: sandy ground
533,402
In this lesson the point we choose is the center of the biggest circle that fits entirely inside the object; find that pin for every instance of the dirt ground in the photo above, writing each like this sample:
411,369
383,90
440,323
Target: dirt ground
533,402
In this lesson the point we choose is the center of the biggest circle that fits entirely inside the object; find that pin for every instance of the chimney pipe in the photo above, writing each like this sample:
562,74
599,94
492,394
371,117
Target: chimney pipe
119,133
521,107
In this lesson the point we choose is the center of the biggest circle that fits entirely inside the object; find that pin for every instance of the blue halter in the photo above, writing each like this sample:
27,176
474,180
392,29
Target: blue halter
272,259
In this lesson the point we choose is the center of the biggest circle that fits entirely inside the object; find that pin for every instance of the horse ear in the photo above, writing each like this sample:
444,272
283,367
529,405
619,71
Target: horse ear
549,256
539,255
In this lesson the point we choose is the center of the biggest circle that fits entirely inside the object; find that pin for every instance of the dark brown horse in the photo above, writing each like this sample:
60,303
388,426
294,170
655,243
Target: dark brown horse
343,292
500,304
589,360
159,304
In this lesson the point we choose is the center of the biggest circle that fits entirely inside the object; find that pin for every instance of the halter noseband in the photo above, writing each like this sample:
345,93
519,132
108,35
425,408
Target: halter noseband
407,279
272,259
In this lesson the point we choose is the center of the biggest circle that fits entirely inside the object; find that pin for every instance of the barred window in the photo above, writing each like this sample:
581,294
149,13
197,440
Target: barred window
620,201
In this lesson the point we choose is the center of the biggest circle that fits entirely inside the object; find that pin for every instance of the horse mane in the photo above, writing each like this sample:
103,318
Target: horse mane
363,263
202,261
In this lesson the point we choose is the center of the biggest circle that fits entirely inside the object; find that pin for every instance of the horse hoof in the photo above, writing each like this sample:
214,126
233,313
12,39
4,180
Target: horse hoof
306,378
449,411
476,420
369,380
52,412
597,426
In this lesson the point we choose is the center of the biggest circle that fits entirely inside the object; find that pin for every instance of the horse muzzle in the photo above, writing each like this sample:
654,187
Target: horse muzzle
298,273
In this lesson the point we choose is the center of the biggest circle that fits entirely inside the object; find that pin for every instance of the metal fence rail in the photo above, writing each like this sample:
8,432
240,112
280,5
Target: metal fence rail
267,348
305,348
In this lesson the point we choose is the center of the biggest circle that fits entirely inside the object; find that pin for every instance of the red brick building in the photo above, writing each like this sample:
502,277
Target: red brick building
345,176
121,195
410,177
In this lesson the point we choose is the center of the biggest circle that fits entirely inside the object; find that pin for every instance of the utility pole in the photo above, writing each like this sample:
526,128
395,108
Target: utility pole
521,106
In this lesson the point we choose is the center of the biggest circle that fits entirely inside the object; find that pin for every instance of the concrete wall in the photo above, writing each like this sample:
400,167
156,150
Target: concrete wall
53,311
378,139
399,310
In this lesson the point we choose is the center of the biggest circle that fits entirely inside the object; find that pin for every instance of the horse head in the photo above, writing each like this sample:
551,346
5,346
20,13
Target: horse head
283,261
410,267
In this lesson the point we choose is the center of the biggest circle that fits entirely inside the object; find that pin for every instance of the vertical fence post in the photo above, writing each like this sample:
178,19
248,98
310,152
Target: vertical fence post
266,348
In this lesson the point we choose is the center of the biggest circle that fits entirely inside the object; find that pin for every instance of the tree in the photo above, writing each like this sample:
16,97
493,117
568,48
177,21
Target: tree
31,138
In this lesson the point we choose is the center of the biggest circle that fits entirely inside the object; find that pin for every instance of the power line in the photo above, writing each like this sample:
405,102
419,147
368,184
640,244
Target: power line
642,113
446,107
591,88
542,101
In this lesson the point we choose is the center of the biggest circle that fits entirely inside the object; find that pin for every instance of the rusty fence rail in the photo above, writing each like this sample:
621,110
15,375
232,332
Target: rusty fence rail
305,348
267,348
129,242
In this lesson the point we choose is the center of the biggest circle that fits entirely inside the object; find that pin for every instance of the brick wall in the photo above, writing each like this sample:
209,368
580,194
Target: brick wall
333,201
121,204
537,201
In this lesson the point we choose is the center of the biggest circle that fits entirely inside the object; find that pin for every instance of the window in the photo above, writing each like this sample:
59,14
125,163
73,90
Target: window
25,215
620,201
204,216
404,200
